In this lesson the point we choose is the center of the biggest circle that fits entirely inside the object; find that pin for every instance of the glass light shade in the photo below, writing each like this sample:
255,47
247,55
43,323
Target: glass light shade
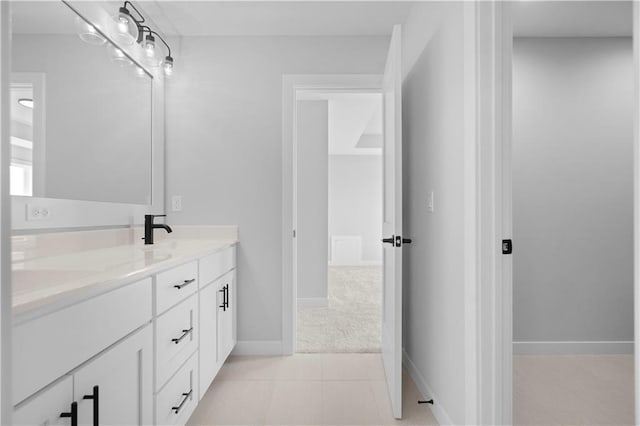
88,32
118,56
167,66
124,29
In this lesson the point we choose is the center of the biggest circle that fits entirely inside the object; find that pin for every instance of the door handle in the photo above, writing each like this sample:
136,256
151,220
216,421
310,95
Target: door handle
391,240
95,396
73,414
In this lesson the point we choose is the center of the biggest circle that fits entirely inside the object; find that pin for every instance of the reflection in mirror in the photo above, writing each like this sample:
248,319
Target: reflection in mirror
80,110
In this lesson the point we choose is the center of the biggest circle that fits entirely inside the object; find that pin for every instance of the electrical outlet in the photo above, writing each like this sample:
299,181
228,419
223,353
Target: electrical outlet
38,212
176,203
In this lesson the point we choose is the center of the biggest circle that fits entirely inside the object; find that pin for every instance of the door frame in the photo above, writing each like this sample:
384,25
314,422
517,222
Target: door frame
292,84
493,90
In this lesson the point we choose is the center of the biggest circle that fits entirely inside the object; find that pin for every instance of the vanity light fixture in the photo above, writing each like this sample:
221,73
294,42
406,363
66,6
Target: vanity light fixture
143,35
26,102
125,26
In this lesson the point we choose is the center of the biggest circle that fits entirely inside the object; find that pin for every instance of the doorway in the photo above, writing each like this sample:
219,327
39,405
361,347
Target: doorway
571,170
339,282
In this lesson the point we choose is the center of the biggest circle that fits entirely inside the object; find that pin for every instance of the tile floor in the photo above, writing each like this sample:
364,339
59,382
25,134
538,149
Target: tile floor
573,390
306,389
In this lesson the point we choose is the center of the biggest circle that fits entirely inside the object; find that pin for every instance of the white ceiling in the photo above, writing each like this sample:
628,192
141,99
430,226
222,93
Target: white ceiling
277,18
355,121
534,18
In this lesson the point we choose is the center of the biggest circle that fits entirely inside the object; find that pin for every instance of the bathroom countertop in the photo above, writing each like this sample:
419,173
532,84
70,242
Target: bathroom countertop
46,283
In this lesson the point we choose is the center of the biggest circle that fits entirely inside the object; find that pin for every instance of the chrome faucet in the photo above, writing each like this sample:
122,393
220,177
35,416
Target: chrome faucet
149,226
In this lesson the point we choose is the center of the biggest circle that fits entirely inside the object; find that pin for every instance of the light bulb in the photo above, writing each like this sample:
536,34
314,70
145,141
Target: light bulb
124,28
149,46
88,33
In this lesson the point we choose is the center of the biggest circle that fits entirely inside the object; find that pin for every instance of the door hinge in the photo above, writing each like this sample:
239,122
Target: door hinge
507,246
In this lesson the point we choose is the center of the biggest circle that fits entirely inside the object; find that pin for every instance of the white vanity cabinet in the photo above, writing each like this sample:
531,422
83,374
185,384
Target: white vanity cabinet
217,314
143,353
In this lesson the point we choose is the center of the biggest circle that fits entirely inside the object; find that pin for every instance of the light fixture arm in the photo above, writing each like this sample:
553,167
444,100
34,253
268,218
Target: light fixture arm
140,15
163,42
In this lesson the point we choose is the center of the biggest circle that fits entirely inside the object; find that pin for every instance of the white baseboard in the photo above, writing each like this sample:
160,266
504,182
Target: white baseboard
361,263
312,302
258,347
573,348
436,409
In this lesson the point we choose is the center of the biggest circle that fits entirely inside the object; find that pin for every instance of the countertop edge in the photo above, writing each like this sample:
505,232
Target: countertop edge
32,310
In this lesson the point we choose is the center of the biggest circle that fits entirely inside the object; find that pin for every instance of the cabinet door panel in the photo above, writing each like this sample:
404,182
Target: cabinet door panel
208,336
45,407
226,317
123,375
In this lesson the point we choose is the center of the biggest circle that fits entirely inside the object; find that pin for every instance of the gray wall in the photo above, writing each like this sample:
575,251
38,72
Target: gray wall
573,189
434,299
313,141
224,147
355,201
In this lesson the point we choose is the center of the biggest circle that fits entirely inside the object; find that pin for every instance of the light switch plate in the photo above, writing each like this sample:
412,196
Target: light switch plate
430,204
176,203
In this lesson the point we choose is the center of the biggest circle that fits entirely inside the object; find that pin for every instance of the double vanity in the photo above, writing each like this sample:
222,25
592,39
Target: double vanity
120,332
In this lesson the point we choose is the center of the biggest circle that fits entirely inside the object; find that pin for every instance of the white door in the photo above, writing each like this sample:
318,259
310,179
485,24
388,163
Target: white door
392,224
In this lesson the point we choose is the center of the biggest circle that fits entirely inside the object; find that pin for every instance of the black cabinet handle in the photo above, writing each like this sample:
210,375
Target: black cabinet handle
185,333
184,283
389,240
223,290
226,296
73,414
186,396
95,396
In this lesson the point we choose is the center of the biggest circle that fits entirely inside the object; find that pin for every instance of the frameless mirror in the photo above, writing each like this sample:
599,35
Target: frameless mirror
80,110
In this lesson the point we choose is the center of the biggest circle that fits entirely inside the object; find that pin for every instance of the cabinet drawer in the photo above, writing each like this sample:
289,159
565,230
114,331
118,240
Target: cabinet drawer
213,266
175,285
45,408
177,400
50,346
176,338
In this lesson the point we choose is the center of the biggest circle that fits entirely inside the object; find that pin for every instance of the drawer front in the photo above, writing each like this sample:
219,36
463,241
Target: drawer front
177,400
50,346
213,266
45,408
175,285
176,338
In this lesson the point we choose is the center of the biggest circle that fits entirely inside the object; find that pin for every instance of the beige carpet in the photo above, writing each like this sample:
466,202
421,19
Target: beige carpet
352,320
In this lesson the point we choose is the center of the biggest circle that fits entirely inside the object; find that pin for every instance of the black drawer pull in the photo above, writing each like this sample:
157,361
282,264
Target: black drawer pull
223,290
184,400
73,414
95,396
185,333
184,283
226,296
